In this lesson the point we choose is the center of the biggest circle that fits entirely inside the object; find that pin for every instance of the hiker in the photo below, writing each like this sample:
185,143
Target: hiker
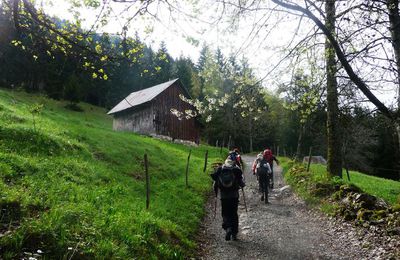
264,172
228,179
255,162
267,154
234,155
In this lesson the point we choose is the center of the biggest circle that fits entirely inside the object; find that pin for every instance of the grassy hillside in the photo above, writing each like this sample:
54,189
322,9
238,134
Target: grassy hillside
70,186
389,190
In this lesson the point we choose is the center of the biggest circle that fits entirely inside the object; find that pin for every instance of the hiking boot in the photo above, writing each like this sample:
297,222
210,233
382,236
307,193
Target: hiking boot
228,234
234,237
262,198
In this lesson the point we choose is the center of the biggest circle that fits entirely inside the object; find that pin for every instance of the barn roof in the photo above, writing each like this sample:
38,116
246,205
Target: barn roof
141,96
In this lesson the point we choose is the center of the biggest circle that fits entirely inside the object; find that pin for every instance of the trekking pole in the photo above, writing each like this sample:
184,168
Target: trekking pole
215,206
244,200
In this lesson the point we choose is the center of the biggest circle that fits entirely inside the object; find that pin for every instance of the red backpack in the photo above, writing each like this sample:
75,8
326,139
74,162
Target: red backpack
267,154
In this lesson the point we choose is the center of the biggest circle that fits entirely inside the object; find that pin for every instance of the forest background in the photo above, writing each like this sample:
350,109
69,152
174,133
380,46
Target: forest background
237,107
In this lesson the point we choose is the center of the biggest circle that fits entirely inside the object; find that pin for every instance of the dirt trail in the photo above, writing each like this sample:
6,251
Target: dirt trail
283,229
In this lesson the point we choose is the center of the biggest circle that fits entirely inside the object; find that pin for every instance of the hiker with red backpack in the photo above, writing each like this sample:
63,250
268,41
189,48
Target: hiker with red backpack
267,155
228,179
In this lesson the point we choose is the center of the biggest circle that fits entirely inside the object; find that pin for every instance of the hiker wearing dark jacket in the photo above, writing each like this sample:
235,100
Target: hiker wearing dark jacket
267,154
228,179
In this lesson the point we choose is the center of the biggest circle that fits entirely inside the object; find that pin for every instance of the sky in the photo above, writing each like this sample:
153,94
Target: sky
180,26
180,31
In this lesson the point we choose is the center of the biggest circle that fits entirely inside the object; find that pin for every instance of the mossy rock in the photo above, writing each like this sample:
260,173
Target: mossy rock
344,190
367,199
337,195
322,189
349,188
364,214
349,215
378,217
378,214
395,208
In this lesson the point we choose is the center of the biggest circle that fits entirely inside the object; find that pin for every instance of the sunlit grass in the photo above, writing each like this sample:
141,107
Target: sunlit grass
75,187
386,189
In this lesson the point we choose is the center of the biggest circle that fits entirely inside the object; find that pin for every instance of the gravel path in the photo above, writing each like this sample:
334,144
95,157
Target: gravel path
283,229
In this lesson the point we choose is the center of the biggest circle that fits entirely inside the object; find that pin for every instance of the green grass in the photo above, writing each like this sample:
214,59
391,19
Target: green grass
386,189
285,163
72,186
389,190
321,192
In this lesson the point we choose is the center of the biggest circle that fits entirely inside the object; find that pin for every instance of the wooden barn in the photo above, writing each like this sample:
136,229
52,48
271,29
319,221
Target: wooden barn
148,111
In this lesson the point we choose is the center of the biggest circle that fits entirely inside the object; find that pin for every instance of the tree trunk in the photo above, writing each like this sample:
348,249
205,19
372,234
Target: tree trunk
397,129
300,142
394,18
334,166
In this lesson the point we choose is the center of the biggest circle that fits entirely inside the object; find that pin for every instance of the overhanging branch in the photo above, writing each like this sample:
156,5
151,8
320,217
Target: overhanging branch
342,58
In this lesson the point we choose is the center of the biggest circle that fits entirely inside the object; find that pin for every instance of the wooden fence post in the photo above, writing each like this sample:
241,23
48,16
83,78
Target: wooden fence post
277,151
205,161
187,167
146,168
347,170
309,159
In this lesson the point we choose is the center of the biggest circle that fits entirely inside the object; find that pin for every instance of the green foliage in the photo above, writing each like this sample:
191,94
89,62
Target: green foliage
35,110
302,95
75,187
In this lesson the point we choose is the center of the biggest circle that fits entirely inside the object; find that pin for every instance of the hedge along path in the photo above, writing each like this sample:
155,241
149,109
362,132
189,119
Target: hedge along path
283,229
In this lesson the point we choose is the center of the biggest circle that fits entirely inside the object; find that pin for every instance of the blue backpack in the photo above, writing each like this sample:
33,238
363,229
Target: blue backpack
232,156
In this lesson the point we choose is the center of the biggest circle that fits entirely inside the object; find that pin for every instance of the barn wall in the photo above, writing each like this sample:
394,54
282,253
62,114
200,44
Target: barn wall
167,124
139,120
